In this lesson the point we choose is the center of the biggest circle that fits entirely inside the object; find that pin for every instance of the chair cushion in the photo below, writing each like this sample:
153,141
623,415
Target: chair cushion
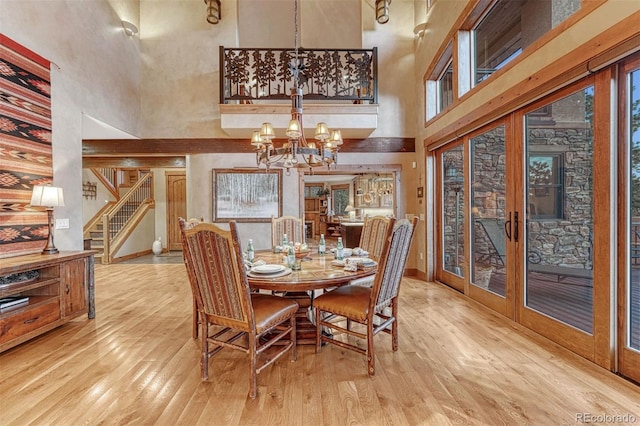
271,310
350,301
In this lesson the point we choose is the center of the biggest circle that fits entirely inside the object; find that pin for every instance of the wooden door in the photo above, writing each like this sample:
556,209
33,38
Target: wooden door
176,198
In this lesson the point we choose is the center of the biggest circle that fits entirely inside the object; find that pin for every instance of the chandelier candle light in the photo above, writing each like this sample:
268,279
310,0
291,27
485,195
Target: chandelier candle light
297,152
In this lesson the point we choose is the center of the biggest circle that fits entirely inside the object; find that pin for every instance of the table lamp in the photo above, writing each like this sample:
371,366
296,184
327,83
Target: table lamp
48,197
352,212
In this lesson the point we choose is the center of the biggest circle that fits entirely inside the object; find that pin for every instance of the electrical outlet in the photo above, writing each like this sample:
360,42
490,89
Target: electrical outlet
421,256
62,223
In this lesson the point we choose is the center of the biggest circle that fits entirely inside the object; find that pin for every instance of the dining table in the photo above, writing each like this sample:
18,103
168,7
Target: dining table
317,272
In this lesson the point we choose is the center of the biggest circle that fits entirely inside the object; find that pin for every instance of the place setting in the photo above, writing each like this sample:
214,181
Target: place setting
268,271
354,259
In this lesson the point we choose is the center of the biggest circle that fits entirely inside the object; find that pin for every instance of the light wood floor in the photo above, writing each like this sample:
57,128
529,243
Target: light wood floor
136,363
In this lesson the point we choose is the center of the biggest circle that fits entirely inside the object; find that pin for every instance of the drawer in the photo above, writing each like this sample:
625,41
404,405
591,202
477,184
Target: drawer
17,325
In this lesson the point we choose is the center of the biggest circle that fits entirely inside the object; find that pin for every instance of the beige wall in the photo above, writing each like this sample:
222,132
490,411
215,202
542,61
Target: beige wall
95,70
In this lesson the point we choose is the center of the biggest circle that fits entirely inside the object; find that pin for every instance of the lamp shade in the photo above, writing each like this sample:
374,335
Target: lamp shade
256,140
294,131
266,131
349,208
47,196
322,131
336,137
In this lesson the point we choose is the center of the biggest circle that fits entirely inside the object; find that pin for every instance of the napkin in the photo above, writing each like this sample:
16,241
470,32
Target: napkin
351,266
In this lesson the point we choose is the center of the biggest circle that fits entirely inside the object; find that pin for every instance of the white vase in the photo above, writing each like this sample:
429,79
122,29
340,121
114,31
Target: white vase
156,247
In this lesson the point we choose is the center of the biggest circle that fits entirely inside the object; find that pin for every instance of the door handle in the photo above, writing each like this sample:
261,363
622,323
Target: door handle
516,229
507,227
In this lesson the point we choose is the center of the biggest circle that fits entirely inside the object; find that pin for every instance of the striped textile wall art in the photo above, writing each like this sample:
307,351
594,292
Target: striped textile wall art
25,147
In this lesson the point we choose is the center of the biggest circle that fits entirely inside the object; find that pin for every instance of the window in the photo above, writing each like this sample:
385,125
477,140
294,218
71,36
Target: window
445,88
438,84
498,38
340,196
508,27
545,185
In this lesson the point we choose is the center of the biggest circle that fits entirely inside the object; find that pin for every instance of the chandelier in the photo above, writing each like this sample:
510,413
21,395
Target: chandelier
296,152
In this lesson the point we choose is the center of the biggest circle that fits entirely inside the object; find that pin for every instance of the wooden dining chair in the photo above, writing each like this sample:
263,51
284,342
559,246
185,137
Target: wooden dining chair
365,305
294,228
290,225
374,232
188,224
231,316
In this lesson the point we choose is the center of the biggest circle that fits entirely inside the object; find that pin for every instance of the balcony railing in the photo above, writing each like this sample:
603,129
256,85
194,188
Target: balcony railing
324,74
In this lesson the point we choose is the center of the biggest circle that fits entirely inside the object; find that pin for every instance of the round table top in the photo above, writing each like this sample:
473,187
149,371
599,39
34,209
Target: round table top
316,273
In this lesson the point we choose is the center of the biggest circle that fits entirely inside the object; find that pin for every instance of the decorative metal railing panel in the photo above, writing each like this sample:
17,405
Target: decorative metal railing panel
324,74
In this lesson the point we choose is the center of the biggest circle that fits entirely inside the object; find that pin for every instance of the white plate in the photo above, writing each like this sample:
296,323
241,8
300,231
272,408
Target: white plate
267,269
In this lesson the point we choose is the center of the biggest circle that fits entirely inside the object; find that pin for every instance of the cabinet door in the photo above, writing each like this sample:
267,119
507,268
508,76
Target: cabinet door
73,289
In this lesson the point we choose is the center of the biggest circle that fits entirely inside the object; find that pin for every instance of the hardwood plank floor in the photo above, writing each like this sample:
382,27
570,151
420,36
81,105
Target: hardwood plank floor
136,363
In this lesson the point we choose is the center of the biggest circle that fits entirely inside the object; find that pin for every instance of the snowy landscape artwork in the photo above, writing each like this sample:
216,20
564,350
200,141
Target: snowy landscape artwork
246,195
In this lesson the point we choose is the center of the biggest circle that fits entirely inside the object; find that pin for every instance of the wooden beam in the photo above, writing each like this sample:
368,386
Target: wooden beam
179,147
134,162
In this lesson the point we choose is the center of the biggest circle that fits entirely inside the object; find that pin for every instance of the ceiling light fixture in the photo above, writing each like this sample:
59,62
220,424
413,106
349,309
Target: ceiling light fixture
129,28
297,152
382,11
213,11
420,29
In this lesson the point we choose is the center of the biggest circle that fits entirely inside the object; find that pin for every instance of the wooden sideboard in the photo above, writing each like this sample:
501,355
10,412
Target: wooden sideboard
58,288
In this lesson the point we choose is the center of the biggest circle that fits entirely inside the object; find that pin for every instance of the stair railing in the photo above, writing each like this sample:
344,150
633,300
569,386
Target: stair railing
114,223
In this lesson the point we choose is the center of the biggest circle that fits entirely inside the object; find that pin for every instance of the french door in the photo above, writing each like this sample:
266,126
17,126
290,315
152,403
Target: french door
629,219
473,221
565,212
525,221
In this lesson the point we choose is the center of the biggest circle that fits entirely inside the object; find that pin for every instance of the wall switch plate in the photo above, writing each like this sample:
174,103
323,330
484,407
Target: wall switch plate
62,223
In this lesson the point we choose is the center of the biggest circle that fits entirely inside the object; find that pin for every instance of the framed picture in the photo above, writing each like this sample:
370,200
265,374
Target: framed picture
246,195
420,192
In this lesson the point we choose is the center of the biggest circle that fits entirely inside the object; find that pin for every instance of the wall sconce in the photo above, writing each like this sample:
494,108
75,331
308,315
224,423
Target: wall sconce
382,11
49,197
129,28
213,11
419,30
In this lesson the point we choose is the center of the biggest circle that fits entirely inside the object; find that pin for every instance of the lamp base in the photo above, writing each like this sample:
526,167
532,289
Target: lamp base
50,250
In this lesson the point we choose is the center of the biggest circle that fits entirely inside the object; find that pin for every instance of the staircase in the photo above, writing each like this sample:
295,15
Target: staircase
109,229
120,218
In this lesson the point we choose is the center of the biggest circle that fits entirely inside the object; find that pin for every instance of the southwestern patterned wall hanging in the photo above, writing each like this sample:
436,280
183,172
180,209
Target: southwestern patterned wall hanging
25,147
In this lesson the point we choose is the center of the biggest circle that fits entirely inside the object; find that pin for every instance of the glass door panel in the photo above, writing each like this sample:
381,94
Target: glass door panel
559,210
453,217
629,263
488,205
633,293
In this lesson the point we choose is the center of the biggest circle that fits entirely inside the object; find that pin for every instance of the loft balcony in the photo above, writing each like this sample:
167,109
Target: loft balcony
340,87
